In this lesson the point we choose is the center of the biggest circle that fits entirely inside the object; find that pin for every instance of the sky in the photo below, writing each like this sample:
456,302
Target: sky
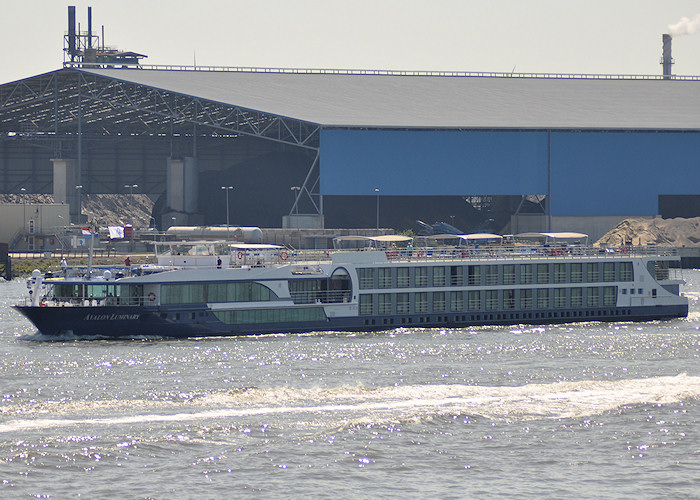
521,36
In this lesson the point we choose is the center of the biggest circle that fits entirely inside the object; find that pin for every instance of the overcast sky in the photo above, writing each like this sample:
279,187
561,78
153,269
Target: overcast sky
525,36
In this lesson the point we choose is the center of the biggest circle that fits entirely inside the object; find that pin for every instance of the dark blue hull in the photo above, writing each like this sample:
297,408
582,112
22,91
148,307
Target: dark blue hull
139,321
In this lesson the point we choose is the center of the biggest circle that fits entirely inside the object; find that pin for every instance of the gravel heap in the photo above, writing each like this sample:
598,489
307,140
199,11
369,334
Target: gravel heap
678,232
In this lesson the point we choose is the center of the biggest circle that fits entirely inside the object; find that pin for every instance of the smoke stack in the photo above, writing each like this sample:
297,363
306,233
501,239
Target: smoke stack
666,58
72,49
89,45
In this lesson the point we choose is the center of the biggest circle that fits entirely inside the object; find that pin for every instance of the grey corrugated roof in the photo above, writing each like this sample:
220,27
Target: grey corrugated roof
366,100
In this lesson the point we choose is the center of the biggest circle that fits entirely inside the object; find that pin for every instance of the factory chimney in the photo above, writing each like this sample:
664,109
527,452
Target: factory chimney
666,58
72,38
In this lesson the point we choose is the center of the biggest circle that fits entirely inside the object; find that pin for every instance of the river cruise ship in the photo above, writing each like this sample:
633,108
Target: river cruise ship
382,283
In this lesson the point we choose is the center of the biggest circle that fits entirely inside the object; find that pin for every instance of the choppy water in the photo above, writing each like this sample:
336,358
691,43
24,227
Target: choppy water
583,410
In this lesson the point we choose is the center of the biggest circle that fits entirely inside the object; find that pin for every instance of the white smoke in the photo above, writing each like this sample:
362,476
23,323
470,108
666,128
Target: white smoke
685,26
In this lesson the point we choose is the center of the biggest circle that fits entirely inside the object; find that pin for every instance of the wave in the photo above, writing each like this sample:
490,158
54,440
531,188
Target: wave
342,406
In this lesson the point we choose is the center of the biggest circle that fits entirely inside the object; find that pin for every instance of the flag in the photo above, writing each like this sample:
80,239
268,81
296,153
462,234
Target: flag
86,231
116,232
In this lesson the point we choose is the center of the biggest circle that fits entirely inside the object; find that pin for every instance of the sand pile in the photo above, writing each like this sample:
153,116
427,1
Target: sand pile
678,232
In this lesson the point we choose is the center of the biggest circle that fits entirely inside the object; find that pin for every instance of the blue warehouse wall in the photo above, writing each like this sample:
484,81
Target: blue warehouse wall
593,173
355,162
621,173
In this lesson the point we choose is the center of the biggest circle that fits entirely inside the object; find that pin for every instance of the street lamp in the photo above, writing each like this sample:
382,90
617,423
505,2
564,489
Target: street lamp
80,206
376,190
227,189
131,188
24,209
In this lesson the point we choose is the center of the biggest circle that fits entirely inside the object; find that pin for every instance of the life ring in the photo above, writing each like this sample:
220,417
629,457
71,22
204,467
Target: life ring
420,254
625,249
240,255
284,255
464,254
328,253
491,252
151,296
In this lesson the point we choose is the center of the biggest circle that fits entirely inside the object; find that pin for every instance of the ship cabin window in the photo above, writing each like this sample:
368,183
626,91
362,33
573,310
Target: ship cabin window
402,303
609,295
491,300
576,272
198,293
421,302
365,304
421,276
384,277
542,273
525,274
474,275
403,279
384,303
608,271
108,293
559,273
576,297
456,301
592,272
659,269
593,297
559,298
438,276
438,301
653,292
508,299
626,271
526,299
474,300
366,277
542,298
456,276
491,275
331,290
509,274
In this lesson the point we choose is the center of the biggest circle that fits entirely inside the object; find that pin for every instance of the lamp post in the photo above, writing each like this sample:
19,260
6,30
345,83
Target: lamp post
227,189
80,205
131,189
376,190
295,190
131,200
24,209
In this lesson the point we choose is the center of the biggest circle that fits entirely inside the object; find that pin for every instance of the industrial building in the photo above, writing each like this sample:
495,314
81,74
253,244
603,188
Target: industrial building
333,148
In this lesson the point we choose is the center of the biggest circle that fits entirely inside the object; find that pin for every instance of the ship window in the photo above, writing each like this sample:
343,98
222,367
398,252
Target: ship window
402,303
366,277
421,302
526,299
509,274
491,300
384,277
421,276
438,301
542,298
508,299
474,300
609,295
576,272
197,293
525,273
402,277
384,303
593,297
438,276
491,275
626,271
576,297
592,272
456,301
653,292
456,277
474,275
560,273
560,297
365,304
276,315
542,273
608,271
